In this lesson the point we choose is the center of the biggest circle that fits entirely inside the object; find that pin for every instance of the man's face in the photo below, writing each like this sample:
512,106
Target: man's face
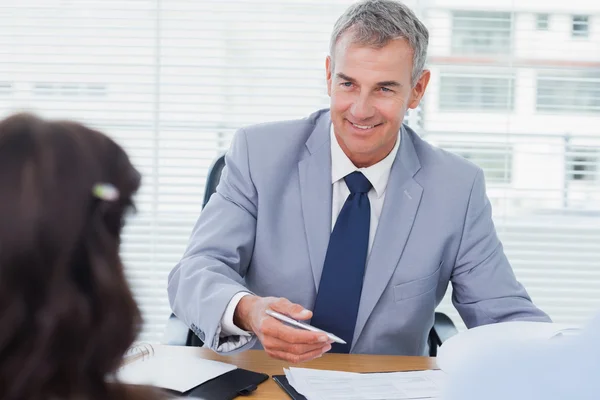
370,91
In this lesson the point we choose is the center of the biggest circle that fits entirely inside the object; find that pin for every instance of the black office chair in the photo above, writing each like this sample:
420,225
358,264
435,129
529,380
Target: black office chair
443,327
442,330
213,178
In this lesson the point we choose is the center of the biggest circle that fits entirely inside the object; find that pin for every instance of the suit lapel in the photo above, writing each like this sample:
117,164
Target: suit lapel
402,198
316,193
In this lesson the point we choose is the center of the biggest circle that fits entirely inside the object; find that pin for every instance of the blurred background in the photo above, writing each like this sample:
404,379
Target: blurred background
515,88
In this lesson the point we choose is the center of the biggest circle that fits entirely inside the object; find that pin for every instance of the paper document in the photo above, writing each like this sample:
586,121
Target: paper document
172,368
333,385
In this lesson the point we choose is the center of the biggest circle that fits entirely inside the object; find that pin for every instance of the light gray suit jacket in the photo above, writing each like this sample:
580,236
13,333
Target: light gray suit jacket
267,228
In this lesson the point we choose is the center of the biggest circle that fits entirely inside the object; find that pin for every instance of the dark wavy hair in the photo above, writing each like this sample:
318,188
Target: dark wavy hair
67,314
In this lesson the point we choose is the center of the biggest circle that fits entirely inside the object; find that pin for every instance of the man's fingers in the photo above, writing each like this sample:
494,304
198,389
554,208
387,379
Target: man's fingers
273,343
296,311
274,328
294,358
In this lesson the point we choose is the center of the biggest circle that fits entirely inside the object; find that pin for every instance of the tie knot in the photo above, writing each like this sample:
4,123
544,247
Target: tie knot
357,182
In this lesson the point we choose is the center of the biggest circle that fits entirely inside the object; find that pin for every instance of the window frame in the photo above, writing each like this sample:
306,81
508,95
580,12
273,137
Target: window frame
482,31
580,33
542,22
446,103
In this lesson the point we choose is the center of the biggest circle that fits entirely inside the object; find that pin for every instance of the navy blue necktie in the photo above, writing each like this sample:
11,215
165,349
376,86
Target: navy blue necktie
336,306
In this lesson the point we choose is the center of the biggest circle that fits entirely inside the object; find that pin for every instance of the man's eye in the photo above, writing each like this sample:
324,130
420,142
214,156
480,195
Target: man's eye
386,90
347,84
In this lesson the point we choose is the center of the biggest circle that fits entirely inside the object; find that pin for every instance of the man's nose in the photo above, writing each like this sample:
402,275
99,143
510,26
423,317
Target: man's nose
362,108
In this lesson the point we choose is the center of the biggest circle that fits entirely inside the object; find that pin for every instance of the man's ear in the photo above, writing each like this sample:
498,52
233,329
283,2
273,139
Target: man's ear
328,73
419,90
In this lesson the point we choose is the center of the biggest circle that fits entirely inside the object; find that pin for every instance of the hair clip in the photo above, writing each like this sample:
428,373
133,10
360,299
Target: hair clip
105,191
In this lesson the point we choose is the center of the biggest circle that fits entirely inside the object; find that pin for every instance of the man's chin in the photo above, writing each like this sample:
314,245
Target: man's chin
361,144
361,152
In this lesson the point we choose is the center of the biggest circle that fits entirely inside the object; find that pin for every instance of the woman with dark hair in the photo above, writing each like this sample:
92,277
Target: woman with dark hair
66,312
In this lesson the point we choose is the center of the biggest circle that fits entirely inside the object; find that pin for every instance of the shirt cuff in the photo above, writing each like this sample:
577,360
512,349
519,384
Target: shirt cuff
228,328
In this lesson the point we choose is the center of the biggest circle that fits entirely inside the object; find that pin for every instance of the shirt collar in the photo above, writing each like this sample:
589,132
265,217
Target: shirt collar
378,174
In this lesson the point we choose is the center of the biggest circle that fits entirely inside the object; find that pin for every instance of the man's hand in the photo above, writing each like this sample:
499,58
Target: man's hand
279,340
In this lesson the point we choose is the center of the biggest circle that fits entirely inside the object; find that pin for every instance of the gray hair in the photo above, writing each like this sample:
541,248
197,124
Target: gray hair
375,23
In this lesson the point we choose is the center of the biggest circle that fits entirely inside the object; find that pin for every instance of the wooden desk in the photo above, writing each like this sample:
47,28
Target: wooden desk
259,361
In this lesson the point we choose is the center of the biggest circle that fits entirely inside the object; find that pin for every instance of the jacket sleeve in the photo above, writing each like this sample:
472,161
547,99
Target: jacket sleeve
485,289
213,267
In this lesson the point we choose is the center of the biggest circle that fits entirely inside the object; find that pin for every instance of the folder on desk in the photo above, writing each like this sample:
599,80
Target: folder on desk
238,382
183,373
283,383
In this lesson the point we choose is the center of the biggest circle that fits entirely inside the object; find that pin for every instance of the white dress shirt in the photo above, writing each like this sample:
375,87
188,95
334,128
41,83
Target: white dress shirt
377,174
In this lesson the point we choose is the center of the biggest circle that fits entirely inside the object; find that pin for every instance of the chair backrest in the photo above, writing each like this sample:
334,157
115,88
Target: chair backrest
442,330
212,180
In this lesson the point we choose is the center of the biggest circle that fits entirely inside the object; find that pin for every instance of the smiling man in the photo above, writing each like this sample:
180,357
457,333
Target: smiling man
347,219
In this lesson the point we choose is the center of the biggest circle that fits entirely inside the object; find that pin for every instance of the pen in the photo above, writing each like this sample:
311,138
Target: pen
303,325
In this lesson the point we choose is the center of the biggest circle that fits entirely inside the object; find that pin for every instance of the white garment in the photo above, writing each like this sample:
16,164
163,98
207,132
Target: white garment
378,174
555,369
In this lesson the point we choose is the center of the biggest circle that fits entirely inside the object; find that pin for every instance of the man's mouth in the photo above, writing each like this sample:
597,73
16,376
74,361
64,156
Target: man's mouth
364,127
